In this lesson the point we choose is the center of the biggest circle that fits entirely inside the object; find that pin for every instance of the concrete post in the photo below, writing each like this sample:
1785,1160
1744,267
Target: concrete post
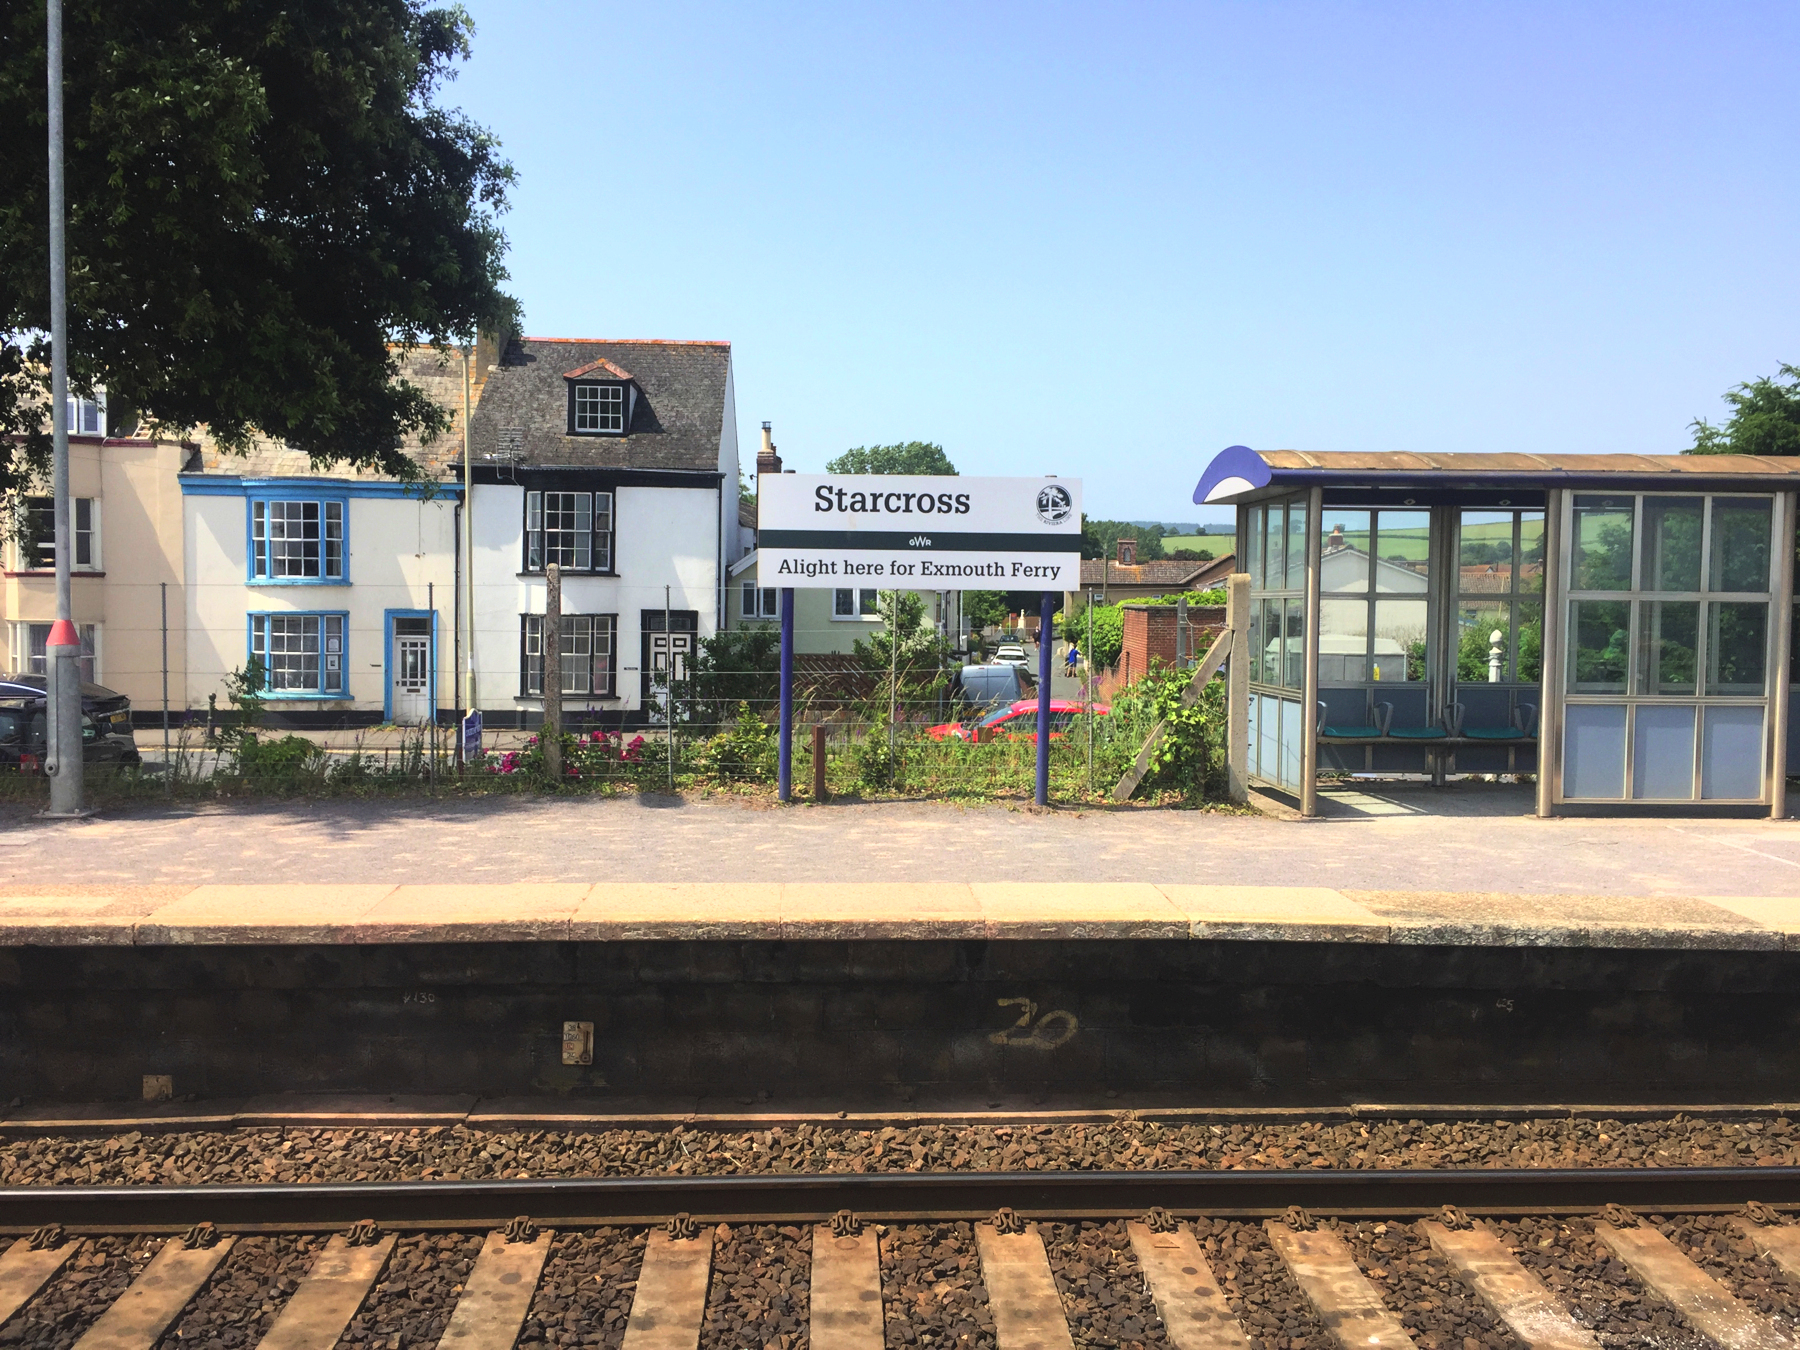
1237,687
550,737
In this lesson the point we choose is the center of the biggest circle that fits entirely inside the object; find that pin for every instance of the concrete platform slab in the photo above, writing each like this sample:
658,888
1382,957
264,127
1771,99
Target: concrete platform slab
539,912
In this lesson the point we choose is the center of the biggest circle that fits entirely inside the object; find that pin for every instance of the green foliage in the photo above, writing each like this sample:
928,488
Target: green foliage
906,650
261,199
285,759
982,608
1765,419
1189,756
742,753
737,666
1192,555
243,690
1100,539
914,457
879,764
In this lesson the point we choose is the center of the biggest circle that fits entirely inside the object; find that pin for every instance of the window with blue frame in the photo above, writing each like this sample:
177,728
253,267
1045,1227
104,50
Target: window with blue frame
297,539
301,655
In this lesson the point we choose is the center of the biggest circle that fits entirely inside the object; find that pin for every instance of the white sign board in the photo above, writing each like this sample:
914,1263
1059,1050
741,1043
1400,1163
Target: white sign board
889,531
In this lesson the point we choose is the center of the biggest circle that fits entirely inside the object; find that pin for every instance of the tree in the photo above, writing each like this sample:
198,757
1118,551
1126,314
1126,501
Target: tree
982,608
1100,539
1765,419
906,645
263,200
914,457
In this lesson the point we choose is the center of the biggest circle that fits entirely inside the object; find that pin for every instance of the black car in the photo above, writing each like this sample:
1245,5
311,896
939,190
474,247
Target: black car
105,723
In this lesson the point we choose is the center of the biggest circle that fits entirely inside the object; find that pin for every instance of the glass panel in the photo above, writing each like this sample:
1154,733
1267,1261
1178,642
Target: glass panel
1662,753
1253,532
1294,666
1731,754
1484,558
1293,740
1343,641
1403,546
1531,552
1594,751
1602,535
1671,544
1530,655
1271,641
1740,544
1737,647
1600,632
1275,549
1399,640
1668,644
1256,642
1296,545
1484,642
1344,552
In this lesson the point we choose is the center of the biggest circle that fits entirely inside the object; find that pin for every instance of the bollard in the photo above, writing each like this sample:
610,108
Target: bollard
819,763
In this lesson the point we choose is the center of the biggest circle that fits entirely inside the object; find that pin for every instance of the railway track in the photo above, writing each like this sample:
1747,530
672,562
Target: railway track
1318,1260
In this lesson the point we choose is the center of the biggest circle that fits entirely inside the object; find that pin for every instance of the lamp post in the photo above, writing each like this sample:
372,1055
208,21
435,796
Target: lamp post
62,666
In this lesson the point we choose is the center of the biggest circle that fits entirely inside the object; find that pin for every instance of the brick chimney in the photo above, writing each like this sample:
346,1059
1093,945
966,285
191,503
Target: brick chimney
1127,553
767,461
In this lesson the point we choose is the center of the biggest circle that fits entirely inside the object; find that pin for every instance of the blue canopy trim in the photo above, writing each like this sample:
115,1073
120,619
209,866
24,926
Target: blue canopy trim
1233,470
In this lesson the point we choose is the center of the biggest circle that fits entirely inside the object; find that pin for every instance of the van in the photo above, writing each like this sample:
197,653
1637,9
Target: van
996,685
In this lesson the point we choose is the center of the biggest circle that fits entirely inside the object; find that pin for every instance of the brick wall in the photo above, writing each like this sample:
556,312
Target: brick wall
1150,635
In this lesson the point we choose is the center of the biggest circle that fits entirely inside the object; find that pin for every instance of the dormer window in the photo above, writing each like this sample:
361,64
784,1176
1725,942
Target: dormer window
602,397
599,409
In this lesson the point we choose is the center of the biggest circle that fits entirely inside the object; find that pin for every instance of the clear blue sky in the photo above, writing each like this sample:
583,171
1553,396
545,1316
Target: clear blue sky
1108,240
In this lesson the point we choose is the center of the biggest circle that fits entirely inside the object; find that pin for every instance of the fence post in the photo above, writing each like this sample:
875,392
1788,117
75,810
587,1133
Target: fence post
550,644
1046,640
1237,688
819,762
784,775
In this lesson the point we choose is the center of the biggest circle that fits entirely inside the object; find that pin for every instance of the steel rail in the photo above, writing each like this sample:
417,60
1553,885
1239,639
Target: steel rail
894,1196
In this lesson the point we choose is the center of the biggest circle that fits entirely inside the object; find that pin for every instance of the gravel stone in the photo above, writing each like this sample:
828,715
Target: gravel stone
584,1295
1594,1285
1720,1248
1259,1289
458,1153
1440,1311
1103,1291
761,1288
85,1288
246,1293
931,1288
412,1304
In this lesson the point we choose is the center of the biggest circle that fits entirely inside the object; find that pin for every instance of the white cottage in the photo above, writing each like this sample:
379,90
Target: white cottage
618,461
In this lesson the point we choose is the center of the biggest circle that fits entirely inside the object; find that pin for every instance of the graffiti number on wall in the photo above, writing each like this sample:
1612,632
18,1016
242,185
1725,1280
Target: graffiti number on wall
1033,1032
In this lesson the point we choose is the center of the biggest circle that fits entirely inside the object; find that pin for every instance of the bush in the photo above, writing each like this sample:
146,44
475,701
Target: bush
286,758
1189,757
743,753
878,764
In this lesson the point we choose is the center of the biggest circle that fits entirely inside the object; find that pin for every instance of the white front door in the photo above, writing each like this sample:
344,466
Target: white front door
412,671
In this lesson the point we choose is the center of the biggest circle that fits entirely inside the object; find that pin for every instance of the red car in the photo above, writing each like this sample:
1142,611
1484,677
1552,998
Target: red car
1015,720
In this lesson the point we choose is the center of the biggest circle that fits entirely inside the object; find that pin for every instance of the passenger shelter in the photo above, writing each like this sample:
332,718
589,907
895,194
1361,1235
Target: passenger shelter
1622,626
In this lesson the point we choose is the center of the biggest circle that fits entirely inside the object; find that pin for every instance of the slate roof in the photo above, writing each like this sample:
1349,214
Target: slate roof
677,423
440,376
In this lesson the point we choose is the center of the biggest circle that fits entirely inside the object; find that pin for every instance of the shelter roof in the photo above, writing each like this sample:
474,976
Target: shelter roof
1239,472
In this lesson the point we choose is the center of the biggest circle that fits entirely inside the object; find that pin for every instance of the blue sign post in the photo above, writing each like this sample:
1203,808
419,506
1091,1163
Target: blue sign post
1046,640
784,773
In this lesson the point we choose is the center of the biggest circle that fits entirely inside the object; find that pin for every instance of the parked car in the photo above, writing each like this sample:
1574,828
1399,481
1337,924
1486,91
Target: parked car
997,685
1016,720
105,723
1010,654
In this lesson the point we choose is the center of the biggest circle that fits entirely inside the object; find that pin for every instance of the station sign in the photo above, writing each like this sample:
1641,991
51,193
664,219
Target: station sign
925,533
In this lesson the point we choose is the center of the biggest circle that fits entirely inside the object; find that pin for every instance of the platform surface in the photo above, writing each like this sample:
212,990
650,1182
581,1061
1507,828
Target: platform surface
372,913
